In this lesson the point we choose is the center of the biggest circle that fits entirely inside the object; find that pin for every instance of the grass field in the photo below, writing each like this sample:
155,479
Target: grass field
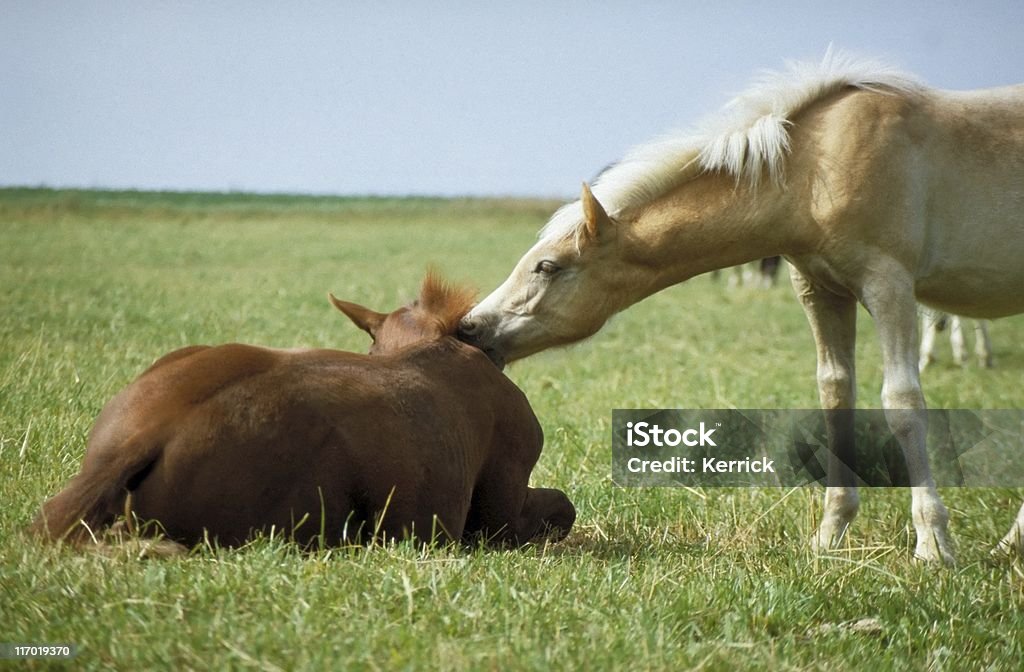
95,286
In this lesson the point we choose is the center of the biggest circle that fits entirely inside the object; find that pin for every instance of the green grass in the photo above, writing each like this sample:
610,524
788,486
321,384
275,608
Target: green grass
97,285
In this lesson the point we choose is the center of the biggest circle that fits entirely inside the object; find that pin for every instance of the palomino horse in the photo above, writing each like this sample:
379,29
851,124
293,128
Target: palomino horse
425,437
875,188
932,322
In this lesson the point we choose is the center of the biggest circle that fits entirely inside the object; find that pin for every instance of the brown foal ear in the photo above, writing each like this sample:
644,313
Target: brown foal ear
364,318
596,219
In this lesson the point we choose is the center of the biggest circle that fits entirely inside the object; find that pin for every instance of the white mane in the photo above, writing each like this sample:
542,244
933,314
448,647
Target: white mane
747,138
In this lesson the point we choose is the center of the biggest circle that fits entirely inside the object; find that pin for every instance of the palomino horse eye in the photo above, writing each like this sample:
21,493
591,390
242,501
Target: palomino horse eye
547,268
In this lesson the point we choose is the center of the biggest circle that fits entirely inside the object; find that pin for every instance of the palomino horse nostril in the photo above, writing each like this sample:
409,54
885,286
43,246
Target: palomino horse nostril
468,327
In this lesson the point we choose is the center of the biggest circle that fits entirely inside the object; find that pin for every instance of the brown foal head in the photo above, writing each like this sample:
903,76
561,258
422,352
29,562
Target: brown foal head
435,314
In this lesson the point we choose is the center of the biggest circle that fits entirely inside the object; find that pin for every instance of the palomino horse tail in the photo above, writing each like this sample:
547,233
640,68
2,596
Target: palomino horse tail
95,497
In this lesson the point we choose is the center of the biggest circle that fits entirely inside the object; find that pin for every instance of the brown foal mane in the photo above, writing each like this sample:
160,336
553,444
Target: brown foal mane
445,302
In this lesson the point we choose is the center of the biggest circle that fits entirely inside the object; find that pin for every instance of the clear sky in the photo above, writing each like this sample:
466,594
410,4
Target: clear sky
455,98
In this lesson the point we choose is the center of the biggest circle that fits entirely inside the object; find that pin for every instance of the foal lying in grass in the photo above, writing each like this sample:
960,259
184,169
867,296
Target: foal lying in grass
424,437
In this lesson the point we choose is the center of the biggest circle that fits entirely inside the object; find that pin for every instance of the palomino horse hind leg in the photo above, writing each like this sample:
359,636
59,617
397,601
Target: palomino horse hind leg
1013,542
833,321
890,300
956,340
930,326
982,343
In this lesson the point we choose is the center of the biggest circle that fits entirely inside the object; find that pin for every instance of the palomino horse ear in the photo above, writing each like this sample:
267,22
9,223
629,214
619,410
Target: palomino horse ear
364,318
595,218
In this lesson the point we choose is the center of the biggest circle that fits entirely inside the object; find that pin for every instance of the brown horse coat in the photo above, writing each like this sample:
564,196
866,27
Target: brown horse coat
424,437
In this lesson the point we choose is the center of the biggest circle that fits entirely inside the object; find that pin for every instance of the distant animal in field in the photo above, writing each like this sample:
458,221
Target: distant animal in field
875,188
761,274
423,438
933,322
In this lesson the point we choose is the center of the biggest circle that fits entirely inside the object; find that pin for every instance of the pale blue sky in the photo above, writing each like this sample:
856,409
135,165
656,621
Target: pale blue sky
475,98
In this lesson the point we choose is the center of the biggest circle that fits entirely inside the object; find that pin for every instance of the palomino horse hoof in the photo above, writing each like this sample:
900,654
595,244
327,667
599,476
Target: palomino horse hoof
822,546
1011,546
824,540
1005,551
935,552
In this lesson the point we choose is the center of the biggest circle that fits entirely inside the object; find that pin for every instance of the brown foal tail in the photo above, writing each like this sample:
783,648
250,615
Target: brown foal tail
84,505
95,496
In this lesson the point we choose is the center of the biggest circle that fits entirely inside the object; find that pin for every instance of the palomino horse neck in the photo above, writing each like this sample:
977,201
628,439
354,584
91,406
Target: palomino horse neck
710,222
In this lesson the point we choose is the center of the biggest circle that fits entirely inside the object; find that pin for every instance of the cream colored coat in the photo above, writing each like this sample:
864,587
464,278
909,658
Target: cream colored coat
877,189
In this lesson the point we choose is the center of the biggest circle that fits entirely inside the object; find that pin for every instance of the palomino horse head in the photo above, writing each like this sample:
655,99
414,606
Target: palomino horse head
433,315
562,290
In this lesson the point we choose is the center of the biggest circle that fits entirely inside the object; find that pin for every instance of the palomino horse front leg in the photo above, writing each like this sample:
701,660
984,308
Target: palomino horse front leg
833,320
890,300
